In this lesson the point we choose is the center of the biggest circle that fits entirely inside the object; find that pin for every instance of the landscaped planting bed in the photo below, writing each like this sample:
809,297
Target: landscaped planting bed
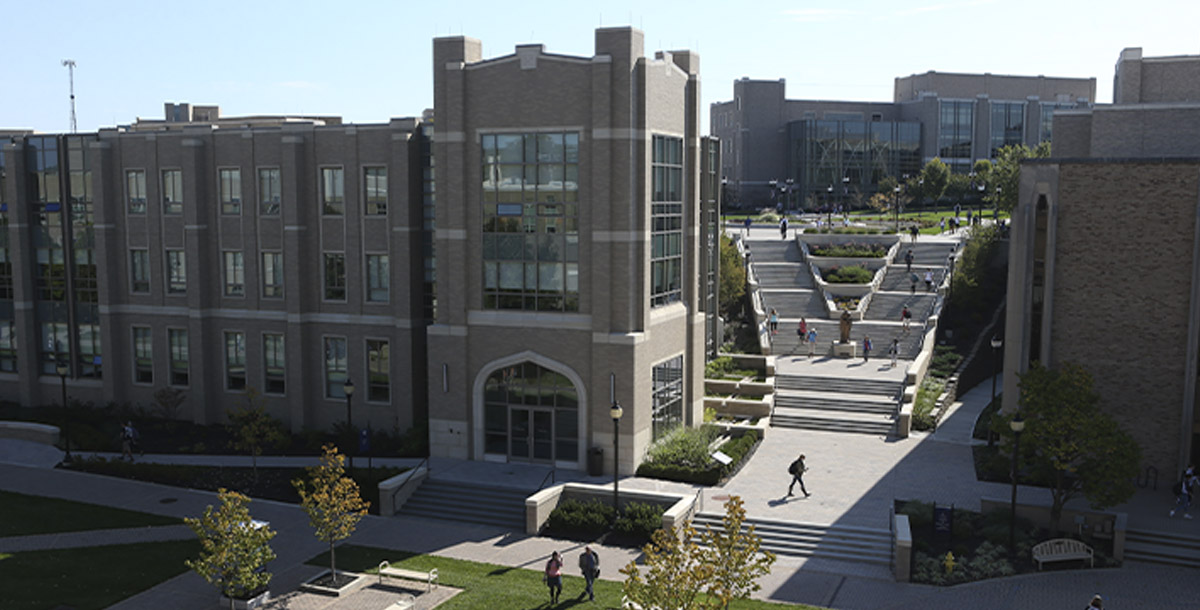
685,456
849,274
589,520
848,250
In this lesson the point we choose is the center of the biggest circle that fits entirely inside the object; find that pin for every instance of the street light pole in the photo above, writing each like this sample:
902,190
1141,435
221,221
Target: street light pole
996,344
616,412
774,196
348,388
896,205
1018,425
62,369
829,207
788,200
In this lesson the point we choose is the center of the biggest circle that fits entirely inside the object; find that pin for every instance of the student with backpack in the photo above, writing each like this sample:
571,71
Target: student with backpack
1183,492
796,469
906,318
867,345
812,341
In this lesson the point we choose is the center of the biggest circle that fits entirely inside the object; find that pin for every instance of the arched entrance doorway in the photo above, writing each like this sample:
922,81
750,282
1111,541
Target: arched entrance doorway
531,413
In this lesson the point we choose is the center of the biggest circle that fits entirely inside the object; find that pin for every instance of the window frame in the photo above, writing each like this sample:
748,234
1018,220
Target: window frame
131,208
232,206
328,207
172,281
134,280
266,290
380,209
140,368
333,387
372,386
233,288
171,207
229,371
267,368
326,287
173,370
371,275
266,205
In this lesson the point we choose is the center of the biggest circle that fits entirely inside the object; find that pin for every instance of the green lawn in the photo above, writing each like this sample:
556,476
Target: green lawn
22,515
93,577
489,587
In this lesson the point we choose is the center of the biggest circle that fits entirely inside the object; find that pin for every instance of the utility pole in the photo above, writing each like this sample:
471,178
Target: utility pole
70,65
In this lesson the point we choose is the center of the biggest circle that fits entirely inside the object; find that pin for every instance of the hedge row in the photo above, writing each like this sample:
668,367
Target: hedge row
579,520
711,474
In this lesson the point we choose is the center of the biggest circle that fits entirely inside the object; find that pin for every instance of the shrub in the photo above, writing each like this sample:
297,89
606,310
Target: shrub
723,366
925,401
920,515
945,361
710,472
639,521
848,250
848,275
579,520
684,447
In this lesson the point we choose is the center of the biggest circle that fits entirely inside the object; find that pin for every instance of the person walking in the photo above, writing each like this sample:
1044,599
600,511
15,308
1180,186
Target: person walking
589,564
1097,603
746,226
928,281
908,260
796,469
783,228
801,333
906,318
915,279
942,225
812,341
866,348
914,231
773,322
553,576
894,351
128,440
1183,492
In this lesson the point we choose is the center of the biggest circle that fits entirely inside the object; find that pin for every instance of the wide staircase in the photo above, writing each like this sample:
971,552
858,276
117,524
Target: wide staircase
786,343
456,501
841,542
836,404
1171,548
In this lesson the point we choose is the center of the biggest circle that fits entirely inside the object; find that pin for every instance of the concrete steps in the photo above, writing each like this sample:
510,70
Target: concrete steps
845,385
786,342
841,542
889,305
1171,548
472,503
896,279
818,420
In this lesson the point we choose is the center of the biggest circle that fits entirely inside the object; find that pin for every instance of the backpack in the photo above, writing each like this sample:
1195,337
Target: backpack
794,467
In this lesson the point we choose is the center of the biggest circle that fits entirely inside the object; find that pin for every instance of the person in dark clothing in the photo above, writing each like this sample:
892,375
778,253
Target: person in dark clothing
589,564
908,260
796,469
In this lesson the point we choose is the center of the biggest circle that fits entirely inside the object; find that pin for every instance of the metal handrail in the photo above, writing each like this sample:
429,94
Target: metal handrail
549,476
424,462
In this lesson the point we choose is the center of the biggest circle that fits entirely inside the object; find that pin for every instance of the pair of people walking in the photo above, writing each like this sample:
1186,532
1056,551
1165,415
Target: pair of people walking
589,566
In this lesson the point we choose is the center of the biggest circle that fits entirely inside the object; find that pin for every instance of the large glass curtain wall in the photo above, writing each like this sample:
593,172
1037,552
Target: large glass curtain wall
956,121
824,153
668,396
1007,125
530,189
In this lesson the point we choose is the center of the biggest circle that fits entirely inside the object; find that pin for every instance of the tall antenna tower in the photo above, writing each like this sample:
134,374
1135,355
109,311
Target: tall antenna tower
70,64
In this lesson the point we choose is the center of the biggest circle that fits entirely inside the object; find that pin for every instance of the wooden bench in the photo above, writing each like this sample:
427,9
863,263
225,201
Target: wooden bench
1062,549
430,578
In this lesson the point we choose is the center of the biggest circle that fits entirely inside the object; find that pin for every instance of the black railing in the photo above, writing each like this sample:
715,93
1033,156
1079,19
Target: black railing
549,477
424,462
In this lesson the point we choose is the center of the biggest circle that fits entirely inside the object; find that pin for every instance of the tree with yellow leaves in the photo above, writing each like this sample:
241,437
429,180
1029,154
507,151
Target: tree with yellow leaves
234,548
332,502
724,564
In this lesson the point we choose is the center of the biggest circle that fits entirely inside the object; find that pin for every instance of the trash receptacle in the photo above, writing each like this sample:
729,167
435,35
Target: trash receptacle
596,461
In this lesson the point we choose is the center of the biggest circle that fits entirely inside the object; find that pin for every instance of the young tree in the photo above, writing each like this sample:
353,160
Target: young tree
735,557
936,175
733,280
332,502
253,428
233,548
1006,173
1071,443
724,564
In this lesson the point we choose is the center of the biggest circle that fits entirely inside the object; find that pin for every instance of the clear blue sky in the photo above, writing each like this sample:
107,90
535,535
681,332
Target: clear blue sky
370,61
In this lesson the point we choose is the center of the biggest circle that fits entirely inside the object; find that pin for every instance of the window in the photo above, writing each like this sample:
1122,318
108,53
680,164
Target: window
1047,123
273,364
177,345
335,277
335,367
377,278
378,367
172,193
333,196
272,274
235,275
531,221
235,360
89,353
666,221
375,179
1008,125
955,124
668,396
7,290
231,190
268,191
135,190
143,355
55,347
176,272
139,271
8,346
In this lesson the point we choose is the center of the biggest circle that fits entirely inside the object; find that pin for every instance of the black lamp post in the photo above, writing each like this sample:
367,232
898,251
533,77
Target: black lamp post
787,202
829,206
616,411
896,205
996,344
774,196
1018,425
845,193
62,369
348,388
996,204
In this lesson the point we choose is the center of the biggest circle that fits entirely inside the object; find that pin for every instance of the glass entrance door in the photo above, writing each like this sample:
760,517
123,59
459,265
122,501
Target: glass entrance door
531,435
